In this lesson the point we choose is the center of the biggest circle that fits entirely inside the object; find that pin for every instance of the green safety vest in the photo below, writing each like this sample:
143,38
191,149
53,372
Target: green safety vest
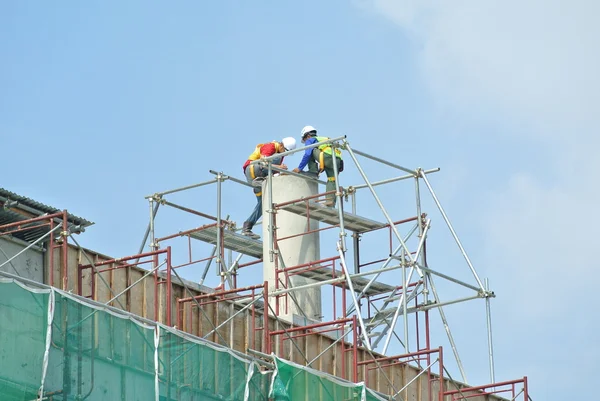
326,148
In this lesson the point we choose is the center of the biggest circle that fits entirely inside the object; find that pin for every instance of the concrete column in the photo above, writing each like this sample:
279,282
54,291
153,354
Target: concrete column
293,251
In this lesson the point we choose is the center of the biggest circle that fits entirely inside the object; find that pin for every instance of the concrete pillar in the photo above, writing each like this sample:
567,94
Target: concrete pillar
294,251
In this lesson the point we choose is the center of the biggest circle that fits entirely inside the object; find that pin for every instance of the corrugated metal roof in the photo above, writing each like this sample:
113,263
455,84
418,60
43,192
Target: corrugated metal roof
30,207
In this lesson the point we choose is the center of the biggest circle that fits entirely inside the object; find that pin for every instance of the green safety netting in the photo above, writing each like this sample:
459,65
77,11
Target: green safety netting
191,370
23,330
292,382
78,351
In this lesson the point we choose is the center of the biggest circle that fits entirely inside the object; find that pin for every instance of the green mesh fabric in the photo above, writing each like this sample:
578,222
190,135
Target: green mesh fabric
297,383
23,327
191,370
96,354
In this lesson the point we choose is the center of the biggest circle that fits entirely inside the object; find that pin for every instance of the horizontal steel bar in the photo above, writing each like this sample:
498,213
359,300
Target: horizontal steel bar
228,177
468,389
300,149
442,275
438,305
333,280
303,176
171,191
124,259
410,355
404,177
377,159
186,232
192,211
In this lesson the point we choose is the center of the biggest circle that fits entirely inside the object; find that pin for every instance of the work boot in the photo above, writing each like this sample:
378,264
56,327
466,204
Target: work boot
329,203
247,231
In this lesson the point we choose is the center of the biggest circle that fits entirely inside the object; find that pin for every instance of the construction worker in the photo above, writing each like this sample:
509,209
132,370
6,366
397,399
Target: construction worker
321,156
256,173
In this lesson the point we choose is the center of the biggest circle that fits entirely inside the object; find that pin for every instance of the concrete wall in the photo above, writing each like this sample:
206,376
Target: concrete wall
30,264
238,334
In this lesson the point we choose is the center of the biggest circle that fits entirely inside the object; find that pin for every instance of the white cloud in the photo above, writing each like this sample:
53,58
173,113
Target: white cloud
534,64
536,61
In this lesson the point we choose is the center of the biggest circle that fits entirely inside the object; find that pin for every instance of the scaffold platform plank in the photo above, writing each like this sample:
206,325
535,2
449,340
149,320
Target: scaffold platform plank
330,215
326,273
236,242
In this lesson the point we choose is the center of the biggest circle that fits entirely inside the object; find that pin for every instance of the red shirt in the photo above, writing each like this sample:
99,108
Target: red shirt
266,150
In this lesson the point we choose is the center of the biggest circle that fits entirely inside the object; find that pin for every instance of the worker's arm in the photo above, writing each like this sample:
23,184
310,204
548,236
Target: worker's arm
270,149
307,155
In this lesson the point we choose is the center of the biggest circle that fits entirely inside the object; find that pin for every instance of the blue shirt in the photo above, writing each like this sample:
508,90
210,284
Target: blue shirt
307,153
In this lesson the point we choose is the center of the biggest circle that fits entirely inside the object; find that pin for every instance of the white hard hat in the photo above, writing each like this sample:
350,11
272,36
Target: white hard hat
289,143
307,129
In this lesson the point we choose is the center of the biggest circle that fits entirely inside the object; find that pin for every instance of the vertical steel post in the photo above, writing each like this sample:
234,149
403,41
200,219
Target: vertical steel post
364,332
51,251
405,313
270,229
65,250
154,247
441,363
151,225
354,350
489,329
338,195
147,233
266,337
219,228
420,222
169,288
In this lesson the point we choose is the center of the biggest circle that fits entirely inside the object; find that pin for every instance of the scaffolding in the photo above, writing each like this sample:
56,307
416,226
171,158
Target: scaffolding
366,311
374,303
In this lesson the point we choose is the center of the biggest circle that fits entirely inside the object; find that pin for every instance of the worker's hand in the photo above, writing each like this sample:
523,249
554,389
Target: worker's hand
283,167
296,170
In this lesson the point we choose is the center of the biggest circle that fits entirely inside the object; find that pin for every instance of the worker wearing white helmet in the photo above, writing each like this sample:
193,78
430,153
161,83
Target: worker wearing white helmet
320,159
255,173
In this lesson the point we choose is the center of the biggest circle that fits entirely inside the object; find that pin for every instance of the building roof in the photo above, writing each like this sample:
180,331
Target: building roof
15,208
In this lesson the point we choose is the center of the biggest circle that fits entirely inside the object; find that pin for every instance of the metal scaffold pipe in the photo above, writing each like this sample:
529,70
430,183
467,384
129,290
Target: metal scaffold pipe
447,220
302,149
489,330
448,332
270,227
32,244
377,159
219,227
390,180
172,191
338,196
353,294
385,213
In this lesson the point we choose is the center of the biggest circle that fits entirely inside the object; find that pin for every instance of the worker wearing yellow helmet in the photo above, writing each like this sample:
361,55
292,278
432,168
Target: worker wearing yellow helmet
320,159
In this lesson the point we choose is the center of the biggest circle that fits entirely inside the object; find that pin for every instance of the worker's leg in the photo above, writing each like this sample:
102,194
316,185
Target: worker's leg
251,173
328,166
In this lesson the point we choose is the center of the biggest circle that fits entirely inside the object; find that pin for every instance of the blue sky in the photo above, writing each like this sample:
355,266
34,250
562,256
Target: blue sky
104,103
